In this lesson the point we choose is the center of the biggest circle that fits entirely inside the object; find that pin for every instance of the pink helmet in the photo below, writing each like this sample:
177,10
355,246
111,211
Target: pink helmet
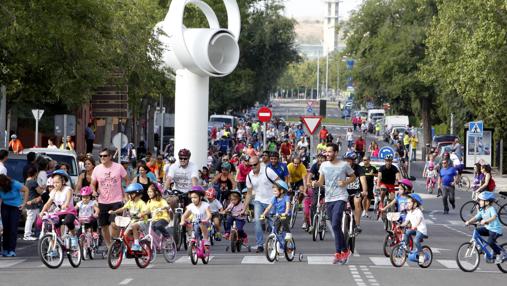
85,191
407,183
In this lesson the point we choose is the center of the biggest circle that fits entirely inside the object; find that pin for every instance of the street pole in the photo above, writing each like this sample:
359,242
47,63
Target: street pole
264,147
37,129
65,131
3,116
475,149
338,77
162,111
327,74
452,123
318,73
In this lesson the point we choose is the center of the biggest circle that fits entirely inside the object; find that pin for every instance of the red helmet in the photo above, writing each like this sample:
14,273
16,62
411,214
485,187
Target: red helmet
184,153
211,193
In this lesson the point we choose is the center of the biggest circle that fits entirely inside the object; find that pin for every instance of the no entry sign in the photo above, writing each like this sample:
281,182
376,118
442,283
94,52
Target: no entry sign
264,114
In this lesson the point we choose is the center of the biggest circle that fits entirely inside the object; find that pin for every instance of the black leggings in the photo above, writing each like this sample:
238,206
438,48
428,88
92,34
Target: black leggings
68,220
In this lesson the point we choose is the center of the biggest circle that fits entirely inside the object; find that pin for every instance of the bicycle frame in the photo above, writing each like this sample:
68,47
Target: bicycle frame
481,242
199,240
280,237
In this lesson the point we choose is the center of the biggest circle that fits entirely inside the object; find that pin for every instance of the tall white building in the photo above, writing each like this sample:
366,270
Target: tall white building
330,24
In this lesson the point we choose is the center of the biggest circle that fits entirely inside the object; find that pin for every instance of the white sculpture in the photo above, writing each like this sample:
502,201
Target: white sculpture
195,54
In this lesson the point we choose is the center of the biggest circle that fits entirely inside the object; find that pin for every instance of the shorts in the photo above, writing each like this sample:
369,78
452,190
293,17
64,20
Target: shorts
143,226
352,196
104,217
295,186
390,188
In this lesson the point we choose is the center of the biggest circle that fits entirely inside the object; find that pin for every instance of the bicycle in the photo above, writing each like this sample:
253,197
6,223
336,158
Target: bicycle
463,183
236,243
349,226
179,232
401,252
471,207
160,243
430,184
276,243
197,249
319,226
88,241
294,208
122,244
394,235
468,256
53,245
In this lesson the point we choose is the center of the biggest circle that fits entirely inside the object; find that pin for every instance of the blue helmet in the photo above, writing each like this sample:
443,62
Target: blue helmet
282,185
61,173
350,156
417,198
487,196
134,188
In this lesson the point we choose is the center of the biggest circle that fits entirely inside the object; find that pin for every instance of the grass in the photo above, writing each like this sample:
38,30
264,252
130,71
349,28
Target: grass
327,120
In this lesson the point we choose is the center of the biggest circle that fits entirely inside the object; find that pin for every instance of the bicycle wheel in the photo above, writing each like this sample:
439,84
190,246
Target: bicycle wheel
290,249
205,259
84,247
468,257
502,214
398,255
74,255
464,184
50,251
177,230
115,254
293,214
503,266
345,228
192,252
322,228
234,238
144,258
389,243
428,256
315,226
169,249
270,248
468,210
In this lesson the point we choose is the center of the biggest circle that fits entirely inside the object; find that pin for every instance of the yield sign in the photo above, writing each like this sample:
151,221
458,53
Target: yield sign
311,122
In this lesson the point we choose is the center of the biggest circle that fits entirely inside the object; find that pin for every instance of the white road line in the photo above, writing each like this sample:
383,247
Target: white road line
320,260
447,263
126,281
10,263
255,260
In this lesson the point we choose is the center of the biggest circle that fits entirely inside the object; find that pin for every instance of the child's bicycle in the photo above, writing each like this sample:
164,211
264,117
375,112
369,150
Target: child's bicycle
88,241
159,243
468,256
471,207
276,244
196,248
401,252
394,235
319,226
430,184
236,242
53,245
121,247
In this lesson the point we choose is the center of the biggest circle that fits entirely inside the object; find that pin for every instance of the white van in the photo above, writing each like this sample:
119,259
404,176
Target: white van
376,114
61,156
396,121
228,120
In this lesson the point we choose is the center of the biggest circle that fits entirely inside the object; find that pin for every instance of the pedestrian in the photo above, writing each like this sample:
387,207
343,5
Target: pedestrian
68,144
456,148
85,178
478,177
360,146
446,183
413,144
33,204
13,197
323,134
15,144
350,137
4,156
106,184
89,137
30,162
51,143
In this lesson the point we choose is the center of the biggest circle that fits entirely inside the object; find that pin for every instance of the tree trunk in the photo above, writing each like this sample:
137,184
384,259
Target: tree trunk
425,102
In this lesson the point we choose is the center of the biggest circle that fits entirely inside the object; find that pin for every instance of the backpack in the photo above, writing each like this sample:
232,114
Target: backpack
491,184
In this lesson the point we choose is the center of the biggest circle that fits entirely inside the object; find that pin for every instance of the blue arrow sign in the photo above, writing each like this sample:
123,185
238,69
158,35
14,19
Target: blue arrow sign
384,151
309,109
476,128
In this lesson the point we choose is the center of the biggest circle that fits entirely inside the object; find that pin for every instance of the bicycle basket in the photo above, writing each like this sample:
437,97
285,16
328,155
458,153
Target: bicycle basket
122,221
393,216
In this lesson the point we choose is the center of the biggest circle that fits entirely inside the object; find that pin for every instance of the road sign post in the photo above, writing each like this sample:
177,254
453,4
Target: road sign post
37,114
264,114
476,129
312,123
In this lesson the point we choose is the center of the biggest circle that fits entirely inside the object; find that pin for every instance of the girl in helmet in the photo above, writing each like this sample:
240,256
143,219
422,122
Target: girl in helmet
200,212
491,227
216,208
417,223
158,208
88,209
280,205
135,207
401,199
236,209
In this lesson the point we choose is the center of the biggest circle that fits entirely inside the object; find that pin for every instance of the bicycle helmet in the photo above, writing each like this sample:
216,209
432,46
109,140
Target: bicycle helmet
235,192
407,184
282,185
388,157
211,193
60,173
226,166
417,198
197,190
350,156
487,196
134,188
184,153
172,159
85,191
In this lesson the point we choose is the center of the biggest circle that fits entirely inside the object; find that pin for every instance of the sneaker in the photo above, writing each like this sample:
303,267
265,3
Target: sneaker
310,229
304,226
260,249
206,242
357,230
499,259
363,214
453,206
337,258
136,247
218,236
29,238
226,236
288,236
446,212
10,254
345,256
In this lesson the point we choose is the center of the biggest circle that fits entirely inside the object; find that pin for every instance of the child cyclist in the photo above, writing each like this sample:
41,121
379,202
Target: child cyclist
88,209
200,212
216,208
236,209
417,224
135,207
401,198
280,205
158,208
491,228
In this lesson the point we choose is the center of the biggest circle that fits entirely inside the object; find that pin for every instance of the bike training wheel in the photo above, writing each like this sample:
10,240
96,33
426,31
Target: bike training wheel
290,249
398,256
468,257
144,257
233,239
428,256
169,249
74,255
270,248
468,210
502,214
315,226
115,254
322,229
389,243
192,252
50,251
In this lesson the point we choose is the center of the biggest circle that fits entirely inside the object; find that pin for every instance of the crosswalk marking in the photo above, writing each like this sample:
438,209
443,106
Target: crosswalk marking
186,260
10,263
320,260
380,261
451,264
255,260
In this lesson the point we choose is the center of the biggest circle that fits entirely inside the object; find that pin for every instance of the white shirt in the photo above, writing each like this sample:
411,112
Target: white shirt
198,213
350,136
3,170
182,177
86,210
455,159
261,185
302,144
414,216
215,206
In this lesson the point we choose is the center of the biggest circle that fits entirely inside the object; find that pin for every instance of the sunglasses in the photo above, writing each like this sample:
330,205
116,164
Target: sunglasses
103,156
183,159
253,165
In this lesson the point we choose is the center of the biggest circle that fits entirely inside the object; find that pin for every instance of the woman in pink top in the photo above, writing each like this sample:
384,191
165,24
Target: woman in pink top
243,170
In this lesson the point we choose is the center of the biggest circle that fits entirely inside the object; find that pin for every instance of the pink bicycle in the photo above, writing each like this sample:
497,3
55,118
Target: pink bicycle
88,241
197,250
159,243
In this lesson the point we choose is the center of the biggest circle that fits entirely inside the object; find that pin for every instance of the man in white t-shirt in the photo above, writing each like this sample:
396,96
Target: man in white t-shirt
184,174
259,182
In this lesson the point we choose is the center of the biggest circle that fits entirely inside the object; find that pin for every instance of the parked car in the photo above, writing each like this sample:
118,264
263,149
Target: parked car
61,156
443,139
14,165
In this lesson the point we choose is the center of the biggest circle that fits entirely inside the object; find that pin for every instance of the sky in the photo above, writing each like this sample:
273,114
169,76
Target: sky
314,9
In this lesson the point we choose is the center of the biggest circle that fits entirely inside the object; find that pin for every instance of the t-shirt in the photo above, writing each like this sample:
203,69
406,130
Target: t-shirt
416,215
487,213
261,185
152,205
279,204
32,193
59,197
215,206
243,170
280,169
236,210
332,174
14,197
42,179
285,149
359,145
86,210
370,172
356,185
3,170
401,203
109,182
315,171
447,175
182,177
198,212
296,174
135,207
388,175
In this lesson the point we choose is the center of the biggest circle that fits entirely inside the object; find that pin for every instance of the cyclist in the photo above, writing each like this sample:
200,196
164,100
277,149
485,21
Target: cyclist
370,172
224,181
417,223
236,208
158,208
336,175
388,174
401,198
279,168
280,205
215,207
88,208
357,189
200,212
297,175
184,174
491,228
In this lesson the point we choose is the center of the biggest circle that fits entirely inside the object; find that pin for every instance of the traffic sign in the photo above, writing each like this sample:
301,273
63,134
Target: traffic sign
384,151
120,140
311,123
37,113
264,114
309,109
476,128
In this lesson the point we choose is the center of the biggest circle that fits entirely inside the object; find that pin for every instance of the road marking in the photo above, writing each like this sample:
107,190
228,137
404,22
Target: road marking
456,222
429,221
255,260
126,281
320,260
451,264
381,261
186,260
438,250
10,263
